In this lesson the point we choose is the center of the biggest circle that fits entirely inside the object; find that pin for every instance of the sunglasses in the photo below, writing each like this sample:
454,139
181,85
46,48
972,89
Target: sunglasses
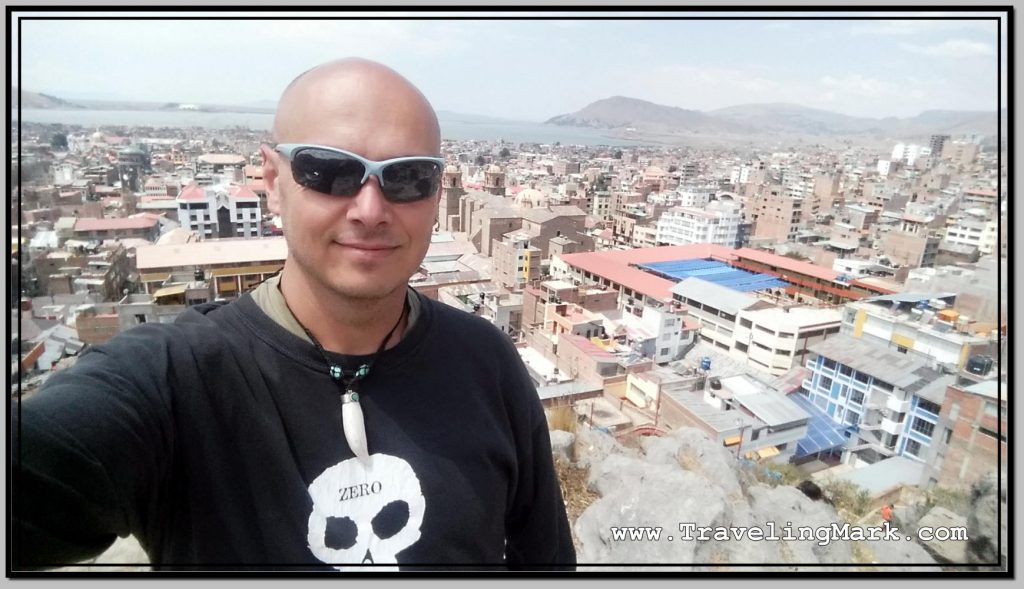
342,173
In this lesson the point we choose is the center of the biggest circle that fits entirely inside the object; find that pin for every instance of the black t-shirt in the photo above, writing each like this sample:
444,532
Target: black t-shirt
217,440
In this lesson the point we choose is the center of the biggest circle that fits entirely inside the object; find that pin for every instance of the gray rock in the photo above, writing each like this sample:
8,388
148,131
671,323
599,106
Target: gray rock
888,555
983,527
786,507
636,493
693,450
592,446
562,445
948,550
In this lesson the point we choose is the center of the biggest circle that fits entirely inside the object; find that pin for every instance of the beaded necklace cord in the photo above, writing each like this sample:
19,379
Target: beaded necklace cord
353,423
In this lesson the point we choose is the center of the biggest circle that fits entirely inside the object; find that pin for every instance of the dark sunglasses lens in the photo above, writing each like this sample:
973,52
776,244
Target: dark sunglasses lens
411,180
327,171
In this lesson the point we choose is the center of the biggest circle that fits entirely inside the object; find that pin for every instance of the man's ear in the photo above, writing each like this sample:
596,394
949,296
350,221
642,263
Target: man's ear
271,175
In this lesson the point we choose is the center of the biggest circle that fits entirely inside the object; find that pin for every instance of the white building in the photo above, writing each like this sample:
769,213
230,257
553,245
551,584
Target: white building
663,330
219,211
927,326
716,223
976,231
777,339
690,195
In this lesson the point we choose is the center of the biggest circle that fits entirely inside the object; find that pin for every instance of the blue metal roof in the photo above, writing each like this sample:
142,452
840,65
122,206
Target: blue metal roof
715,272
822,433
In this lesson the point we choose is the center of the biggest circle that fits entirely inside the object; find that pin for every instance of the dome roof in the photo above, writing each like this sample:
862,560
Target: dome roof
494,169
97,136
451,169
531,198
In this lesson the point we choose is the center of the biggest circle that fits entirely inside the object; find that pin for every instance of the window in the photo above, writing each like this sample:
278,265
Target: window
947,436
883,385
913,448
829,364
861,377
826,383
852,417
928,406
845,370
786,335
741,347
140,319
901,349
857,397
783,353
664,351
990,409
992,433
922,426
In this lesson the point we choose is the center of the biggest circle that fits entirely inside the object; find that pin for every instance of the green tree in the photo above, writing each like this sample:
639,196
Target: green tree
504,153
480,160
617,154
59,141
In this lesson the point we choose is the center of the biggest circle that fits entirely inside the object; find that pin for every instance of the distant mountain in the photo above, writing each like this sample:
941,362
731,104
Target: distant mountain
621,113
38,100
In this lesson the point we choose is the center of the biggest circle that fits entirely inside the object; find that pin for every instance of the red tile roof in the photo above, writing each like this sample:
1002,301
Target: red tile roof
783,263
192,192
242,193
615,265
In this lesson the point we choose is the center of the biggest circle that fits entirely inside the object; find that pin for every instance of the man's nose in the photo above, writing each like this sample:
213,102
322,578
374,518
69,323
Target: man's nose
369,206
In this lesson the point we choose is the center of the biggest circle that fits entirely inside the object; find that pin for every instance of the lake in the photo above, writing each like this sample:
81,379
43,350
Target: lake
458,130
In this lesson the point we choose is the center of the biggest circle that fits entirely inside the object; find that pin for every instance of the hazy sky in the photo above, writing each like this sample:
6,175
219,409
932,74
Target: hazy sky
532,69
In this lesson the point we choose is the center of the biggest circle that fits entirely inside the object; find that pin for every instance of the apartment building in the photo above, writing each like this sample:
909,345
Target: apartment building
915,243
516,262
234,266
973,231
776,215
893,400
718,222
928,327
742,413
142,226
229,164
777,339
715,307
220,212
974,430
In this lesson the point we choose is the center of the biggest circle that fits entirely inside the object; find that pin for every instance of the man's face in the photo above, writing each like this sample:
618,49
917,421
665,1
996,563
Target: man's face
361,246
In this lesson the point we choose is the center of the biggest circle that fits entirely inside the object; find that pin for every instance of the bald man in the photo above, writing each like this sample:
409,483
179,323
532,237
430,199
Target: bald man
333,418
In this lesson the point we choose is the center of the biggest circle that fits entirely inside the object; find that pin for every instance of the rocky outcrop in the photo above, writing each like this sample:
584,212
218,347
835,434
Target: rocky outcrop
674,485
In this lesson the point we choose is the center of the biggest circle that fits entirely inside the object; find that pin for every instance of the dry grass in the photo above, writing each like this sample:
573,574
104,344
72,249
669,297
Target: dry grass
562,418
573,481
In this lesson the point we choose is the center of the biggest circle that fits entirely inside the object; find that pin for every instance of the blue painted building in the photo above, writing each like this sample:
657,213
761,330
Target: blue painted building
888,402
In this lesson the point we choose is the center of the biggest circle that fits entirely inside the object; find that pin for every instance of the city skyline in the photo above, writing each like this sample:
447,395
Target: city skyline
531,69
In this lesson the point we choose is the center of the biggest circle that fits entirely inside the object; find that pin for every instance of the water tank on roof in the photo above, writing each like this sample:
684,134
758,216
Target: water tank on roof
705,363
716,384
979,364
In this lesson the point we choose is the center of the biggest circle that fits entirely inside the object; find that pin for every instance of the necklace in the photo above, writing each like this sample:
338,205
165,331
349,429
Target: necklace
352,422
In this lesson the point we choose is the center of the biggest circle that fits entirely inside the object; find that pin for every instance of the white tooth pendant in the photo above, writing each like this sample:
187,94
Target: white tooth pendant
355,428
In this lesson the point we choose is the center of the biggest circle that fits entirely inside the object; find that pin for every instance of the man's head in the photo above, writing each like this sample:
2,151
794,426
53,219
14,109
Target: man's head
362,246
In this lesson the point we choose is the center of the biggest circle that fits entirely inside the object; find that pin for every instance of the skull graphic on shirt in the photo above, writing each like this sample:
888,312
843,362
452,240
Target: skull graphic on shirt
365,513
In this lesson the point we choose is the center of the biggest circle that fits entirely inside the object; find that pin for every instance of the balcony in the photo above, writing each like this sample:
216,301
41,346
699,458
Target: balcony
893,403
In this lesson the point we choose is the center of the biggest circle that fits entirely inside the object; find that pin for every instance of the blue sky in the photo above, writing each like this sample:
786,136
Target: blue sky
533,69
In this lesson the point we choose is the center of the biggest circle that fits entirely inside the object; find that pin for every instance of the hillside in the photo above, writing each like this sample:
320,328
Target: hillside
38,100
622,113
